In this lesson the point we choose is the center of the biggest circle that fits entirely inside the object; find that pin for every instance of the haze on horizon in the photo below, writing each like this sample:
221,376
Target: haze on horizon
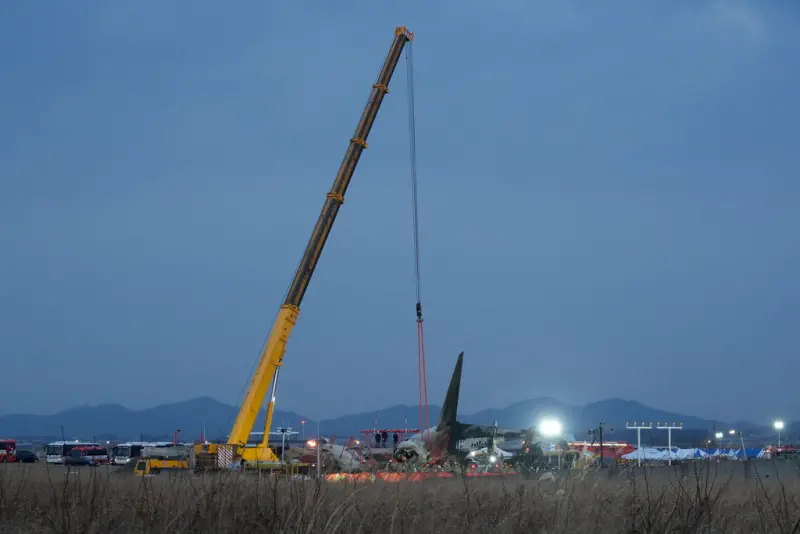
608,197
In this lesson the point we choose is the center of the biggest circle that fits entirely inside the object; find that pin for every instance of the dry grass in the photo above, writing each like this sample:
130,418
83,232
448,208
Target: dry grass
701,499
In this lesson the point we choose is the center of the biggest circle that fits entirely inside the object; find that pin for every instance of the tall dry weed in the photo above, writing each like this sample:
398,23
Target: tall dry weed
698,498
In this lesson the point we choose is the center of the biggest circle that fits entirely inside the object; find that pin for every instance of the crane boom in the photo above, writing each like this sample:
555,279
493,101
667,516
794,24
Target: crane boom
275,347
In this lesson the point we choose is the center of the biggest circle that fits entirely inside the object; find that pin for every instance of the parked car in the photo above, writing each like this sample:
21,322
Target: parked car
27,457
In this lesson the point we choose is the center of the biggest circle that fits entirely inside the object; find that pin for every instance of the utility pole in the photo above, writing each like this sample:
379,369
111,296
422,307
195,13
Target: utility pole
598,433
669,428
639,427
319,456
714,430
600,427
744,451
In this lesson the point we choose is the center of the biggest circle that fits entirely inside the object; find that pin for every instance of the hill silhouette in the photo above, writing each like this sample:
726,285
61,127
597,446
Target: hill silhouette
114,421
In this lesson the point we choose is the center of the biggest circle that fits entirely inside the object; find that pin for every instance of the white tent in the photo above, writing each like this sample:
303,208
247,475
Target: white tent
664,454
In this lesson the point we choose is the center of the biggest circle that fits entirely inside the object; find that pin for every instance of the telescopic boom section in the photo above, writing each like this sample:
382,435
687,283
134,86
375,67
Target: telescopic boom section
274,349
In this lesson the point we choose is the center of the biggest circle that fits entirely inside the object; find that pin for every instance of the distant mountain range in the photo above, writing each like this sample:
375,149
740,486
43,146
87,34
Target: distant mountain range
113,421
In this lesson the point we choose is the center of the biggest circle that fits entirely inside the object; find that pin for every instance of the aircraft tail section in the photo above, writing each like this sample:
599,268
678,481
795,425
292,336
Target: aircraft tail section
450,406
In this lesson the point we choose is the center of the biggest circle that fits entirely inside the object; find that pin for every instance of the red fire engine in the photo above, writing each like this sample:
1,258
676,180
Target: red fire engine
8,450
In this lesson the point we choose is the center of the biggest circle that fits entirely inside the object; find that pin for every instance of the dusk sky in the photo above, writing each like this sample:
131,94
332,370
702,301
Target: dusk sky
609,202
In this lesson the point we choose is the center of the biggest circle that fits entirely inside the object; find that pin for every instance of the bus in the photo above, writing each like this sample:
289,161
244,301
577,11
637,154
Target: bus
8,450
56,450
125,452
92,454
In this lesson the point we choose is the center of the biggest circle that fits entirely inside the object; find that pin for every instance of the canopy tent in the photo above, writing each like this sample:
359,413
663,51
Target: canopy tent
738,453
664,454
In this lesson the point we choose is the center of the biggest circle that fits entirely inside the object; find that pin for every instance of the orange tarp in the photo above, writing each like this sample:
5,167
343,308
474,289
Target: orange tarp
397,477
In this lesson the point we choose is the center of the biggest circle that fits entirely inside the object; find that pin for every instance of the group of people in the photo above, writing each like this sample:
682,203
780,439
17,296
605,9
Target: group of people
381,439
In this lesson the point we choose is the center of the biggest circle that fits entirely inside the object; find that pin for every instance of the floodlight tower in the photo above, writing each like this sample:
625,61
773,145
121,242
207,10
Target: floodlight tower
719,436
639,427
669,428
778,425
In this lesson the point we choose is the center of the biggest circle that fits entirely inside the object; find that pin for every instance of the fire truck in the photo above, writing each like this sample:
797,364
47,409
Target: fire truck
8,450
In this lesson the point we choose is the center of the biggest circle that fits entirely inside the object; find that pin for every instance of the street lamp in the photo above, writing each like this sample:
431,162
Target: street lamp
778,425
283,430
303,426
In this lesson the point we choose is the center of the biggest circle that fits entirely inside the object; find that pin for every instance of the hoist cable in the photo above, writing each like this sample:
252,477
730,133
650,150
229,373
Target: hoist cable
412,141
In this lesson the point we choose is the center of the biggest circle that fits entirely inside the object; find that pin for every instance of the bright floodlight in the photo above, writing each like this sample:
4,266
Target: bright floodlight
311,443
719,435
731,432
550,427
778,425
493,458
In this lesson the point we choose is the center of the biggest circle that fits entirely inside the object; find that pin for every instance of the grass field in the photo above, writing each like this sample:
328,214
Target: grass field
702,498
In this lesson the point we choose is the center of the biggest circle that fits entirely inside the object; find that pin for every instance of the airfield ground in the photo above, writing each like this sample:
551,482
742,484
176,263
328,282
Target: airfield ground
703,497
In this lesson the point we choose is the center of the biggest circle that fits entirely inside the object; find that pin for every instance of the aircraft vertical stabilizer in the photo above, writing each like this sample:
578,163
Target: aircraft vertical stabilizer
450,406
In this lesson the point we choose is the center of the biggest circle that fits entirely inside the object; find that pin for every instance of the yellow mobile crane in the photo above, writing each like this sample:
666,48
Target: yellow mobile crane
272,357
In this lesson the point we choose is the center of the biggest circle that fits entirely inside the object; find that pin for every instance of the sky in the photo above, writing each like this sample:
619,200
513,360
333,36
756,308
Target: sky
608,202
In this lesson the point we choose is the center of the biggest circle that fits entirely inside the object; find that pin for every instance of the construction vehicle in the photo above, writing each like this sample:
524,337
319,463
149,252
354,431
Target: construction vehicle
156,459
154,466
235,452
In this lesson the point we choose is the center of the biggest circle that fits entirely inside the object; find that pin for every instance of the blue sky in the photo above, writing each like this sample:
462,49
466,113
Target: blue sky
608,202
